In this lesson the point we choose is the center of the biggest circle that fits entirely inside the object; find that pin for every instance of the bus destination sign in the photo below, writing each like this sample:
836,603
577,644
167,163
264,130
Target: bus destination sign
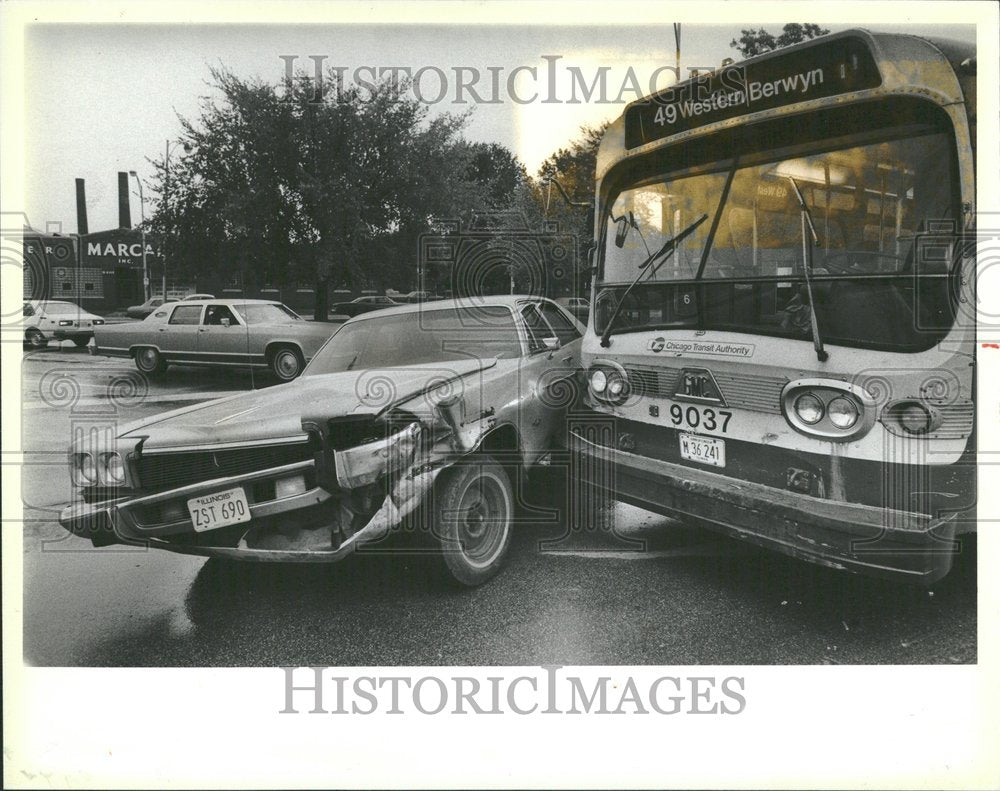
828,69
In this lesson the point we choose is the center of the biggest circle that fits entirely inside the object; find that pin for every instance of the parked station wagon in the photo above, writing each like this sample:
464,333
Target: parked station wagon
244,332
423,415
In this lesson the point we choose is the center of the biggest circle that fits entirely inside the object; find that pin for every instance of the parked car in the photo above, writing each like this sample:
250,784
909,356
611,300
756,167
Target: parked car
245,332
147,307
422,415
55,320
418,296
362,305
198,296
579,307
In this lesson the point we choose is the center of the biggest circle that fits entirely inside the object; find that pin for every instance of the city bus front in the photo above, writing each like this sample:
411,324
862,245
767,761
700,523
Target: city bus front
781,344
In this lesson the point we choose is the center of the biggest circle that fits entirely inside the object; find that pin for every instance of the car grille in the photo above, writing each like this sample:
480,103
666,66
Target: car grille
171,470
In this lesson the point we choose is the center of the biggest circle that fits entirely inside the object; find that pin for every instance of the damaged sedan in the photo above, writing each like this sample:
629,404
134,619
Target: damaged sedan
426,417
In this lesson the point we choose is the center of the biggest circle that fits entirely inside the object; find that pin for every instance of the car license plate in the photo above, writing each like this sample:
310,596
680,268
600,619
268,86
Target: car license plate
703,450
219,509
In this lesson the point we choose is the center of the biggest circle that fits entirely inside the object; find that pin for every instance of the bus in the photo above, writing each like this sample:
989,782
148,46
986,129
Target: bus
781,341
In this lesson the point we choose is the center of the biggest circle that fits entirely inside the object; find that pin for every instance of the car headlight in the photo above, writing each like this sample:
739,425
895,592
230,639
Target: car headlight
97,322
809,408
842,412
84,469
598,381
112,468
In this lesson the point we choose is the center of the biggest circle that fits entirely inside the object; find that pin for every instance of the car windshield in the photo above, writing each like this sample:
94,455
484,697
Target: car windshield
267,313
416,337
61,308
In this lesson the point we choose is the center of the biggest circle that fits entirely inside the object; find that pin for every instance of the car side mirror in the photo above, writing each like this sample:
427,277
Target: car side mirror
551,344
225,322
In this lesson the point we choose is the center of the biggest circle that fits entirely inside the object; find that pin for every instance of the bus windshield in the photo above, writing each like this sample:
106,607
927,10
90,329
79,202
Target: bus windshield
867,203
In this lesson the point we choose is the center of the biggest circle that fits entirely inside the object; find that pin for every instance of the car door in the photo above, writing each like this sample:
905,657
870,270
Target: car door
178,338
545,374
222,337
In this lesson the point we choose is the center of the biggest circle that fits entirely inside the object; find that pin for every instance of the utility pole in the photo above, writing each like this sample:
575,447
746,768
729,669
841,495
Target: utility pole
142,217
677,51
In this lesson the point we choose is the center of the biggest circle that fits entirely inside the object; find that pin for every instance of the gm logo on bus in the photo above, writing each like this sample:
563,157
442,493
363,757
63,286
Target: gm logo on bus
698,386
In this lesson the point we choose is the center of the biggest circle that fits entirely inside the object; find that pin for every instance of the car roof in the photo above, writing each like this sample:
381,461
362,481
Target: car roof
230,301
501,300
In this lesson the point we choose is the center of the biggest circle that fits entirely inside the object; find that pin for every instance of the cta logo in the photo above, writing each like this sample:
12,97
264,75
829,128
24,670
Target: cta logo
657,344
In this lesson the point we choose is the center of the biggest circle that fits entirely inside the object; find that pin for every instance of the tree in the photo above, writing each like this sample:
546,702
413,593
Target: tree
756,42
574,167
283,186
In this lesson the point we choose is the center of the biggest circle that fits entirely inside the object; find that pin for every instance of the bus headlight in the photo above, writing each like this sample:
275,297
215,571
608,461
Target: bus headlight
913,417
616,385
608,382
842,412
809,408
828,408
84,469
112,469
598,381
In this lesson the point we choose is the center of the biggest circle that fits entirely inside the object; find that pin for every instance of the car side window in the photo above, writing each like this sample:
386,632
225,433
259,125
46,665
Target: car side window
214,314
564,329
537,328
185,314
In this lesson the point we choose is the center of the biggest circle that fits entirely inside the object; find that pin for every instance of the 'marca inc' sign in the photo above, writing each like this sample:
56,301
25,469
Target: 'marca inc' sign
116,249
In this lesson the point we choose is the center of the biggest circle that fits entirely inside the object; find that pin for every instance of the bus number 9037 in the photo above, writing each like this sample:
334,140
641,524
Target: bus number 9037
699,417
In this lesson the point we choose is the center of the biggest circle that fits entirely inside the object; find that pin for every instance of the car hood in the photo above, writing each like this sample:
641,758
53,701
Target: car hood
276,412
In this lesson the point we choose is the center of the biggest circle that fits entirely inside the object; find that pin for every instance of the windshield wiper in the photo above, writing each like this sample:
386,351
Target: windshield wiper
807,223
647,267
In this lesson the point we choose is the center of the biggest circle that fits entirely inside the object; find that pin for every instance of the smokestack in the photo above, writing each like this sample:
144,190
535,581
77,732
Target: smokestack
124,216
81,208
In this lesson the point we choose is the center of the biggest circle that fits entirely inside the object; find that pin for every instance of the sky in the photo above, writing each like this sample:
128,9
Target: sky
104,98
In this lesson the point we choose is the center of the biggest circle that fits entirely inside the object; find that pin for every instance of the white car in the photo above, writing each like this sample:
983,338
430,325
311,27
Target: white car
54,320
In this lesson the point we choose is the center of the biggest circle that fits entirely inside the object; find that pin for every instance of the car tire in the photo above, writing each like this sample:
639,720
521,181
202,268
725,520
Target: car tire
34,339
472,516
80,342
286,363
149,361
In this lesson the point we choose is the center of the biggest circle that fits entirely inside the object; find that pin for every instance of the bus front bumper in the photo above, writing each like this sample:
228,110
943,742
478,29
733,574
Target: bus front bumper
841,535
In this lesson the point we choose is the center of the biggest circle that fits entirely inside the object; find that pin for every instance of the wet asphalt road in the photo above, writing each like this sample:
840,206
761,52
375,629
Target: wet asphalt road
690,597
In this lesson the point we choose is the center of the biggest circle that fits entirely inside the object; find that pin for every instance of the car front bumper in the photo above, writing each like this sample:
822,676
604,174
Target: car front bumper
72,334
841,535
300,528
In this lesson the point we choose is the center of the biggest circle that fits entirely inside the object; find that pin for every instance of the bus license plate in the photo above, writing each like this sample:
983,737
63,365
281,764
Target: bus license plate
703,450
219,509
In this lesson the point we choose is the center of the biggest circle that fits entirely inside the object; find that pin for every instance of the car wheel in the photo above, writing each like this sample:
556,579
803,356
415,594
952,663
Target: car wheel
286,363
81,342
149,360
34,339
472,516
